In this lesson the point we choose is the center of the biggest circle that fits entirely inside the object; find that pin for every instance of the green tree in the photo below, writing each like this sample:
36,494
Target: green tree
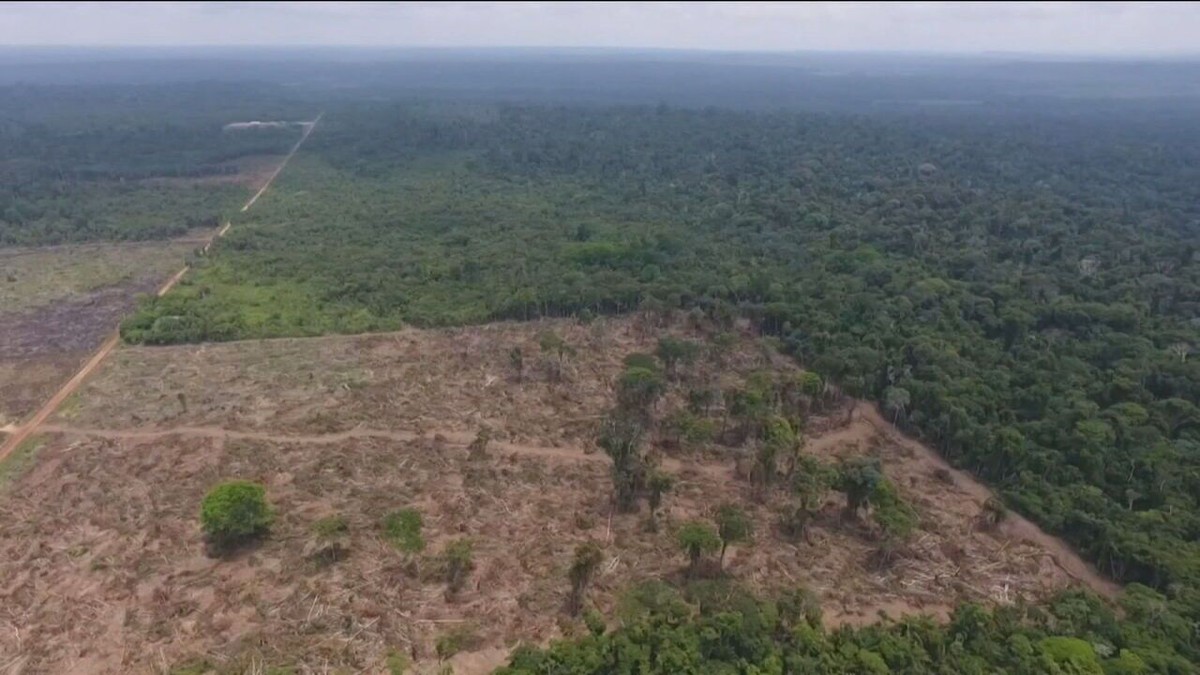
621,438
673,352
516,358
811,481
858,478
733,527
638,389
896,401
697,539
640,360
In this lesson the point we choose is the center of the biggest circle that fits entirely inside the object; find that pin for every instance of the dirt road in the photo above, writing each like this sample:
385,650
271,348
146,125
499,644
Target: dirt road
19,436
308,128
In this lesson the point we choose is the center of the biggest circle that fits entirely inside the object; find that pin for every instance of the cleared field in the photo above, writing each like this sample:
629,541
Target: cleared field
57,304
106,567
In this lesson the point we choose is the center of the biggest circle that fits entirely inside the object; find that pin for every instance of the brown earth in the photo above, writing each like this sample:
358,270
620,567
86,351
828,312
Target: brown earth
102,567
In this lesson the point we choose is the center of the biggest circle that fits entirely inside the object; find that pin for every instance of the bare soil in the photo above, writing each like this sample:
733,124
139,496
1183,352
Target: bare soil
103,569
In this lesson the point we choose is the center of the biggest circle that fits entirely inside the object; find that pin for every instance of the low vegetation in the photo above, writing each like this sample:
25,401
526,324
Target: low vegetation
732,632
234,513
403,529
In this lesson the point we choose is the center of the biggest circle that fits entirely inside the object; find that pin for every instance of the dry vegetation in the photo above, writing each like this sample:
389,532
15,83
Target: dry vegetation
105,569
58,303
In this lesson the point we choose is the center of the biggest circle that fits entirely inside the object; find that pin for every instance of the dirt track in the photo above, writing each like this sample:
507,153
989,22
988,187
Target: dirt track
22,434
453,437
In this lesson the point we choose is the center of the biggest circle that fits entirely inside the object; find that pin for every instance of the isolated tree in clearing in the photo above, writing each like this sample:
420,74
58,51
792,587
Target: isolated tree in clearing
696,539
621,437
235,512
733,527
587,560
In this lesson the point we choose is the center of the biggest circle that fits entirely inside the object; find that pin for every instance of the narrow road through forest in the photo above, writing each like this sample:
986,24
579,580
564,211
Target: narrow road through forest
23,433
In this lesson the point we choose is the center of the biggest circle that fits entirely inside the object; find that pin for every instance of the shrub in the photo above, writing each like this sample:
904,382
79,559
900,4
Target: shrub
234,512
403,529
330,535
457,561
587,560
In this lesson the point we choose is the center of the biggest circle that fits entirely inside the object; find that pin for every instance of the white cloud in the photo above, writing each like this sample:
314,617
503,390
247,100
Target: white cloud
1100,28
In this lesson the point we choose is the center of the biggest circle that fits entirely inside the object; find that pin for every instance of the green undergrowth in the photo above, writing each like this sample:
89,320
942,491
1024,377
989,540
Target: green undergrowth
20,461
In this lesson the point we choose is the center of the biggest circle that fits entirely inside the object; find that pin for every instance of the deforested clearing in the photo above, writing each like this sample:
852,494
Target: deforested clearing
120,579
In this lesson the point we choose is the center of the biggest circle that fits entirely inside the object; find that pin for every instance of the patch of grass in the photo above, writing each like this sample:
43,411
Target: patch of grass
397,663
16,464
403,529
69,407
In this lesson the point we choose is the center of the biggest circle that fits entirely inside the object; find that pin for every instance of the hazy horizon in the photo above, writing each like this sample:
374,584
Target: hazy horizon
1053,30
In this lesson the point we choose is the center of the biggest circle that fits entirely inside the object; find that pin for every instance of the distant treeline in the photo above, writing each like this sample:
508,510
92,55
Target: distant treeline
73,156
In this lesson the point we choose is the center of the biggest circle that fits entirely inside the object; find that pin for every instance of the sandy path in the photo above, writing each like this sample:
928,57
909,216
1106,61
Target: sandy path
21,435
452,437
713,470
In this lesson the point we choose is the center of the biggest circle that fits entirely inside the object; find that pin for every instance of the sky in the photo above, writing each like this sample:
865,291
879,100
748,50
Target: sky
1091,28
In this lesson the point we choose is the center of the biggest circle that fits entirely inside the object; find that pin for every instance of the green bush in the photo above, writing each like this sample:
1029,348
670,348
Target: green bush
403,529
235,511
